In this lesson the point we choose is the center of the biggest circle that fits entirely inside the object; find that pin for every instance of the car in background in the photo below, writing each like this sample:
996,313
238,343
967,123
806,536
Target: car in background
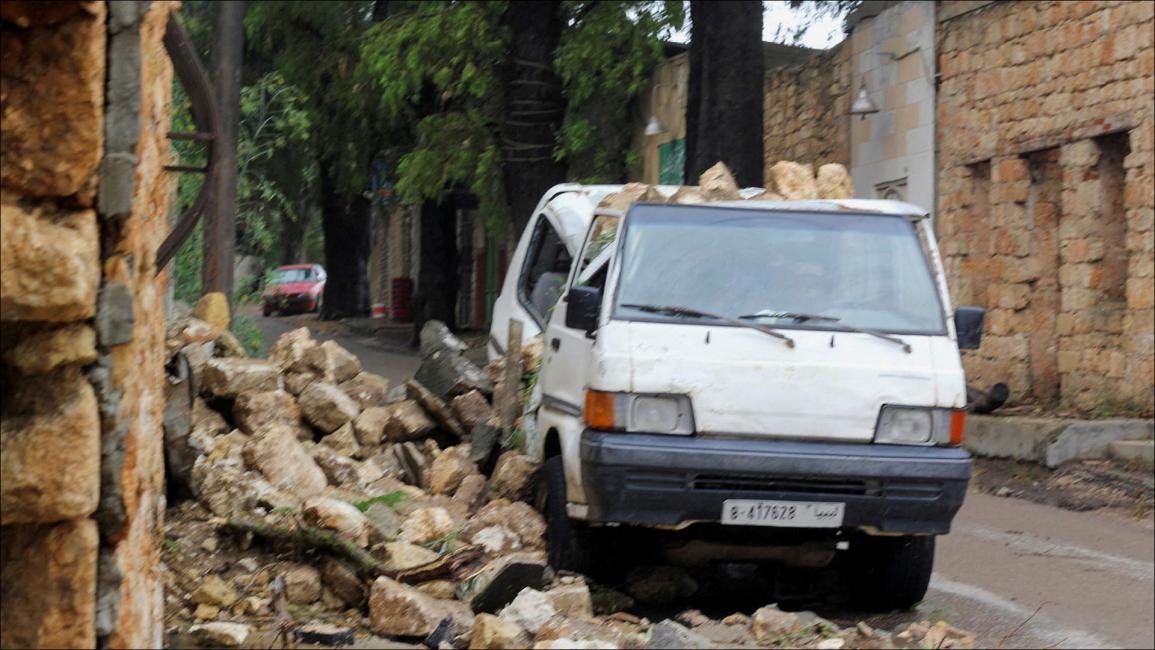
294,288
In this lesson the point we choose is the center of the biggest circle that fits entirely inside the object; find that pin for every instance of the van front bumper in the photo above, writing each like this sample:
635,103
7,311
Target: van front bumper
664,480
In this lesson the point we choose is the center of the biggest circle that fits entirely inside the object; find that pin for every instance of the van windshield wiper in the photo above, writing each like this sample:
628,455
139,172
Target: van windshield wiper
695,313
800,317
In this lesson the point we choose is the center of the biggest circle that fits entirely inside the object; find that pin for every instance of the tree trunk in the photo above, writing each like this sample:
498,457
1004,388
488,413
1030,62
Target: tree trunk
534,106
220,231
291,239
346,225
437,276
724,104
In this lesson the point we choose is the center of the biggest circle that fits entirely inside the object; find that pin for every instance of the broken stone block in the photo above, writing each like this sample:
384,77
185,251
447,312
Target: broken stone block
660,585
399,610
224,488
297,381
425,525
206,421
402,556
718,184
687,195
212,590
343,441
327,407
446,374
384,523
437,408
254,411
491,633
437,337
498,583
228,345
414,466
366,389
629,194
290,348
332,361
834,182
449,469
514,477
49,261
198,355
530,610
336,515
496,540
213,308
472,409
794,181
219,633
45,350
370,425
230,377
407,421
668,635
572,600
302,584
470,493
206,612
341,471
770,623
519,517
284,462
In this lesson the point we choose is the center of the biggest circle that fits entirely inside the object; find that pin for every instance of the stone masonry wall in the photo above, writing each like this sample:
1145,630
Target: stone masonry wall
84,99
805,111
1045,203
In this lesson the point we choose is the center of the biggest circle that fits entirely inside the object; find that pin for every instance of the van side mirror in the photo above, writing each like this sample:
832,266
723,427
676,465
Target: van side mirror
968,325
582,307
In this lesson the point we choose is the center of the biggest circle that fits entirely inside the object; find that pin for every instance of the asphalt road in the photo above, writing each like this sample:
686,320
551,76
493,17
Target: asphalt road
1020,574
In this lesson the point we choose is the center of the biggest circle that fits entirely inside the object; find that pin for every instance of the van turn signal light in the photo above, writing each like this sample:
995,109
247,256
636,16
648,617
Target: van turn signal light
599,410
958,420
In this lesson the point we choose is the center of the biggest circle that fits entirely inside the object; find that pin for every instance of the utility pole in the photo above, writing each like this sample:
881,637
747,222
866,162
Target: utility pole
220,228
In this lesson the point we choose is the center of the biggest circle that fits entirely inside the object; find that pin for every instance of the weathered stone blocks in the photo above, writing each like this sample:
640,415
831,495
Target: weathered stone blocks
49,263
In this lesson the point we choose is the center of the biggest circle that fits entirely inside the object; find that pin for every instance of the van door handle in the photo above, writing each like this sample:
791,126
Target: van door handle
555,344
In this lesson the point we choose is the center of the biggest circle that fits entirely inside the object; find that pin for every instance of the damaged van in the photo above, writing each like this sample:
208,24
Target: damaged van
769,380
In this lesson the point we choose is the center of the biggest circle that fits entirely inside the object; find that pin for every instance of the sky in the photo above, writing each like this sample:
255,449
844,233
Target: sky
822,34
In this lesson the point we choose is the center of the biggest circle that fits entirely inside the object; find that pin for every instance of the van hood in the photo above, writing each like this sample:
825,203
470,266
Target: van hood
830,386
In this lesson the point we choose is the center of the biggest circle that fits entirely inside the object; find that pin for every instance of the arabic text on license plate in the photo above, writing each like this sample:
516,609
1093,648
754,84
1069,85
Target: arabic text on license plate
791,514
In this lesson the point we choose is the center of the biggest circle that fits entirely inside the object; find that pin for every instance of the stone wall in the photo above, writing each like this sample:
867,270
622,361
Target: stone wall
805,110
1044,127
83,202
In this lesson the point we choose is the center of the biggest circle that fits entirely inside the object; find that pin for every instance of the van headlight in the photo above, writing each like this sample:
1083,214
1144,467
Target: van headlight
916,425
638,413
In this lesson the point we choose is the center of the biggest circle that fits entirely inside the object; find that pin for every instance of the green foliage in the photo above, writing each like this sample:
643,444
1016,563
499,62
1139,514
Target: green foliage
245,329
390,499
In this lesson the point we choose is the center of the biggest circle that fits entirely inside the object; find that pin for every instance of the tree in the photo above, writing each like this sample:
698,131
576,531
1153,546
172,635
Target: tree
724,104
220,232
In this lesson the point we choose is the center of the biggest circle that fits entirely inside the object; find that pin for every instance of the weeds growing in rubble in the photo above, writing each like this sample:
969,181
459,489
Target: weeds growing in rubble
390,499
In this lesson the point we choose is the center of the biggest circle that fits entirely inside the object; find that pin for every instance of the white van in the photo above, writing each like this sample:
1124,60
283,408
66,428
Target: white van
779,379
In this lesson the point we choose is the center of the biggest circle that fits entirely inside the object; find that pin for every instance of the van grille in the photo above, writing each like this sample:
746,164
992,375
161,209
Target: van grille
798,485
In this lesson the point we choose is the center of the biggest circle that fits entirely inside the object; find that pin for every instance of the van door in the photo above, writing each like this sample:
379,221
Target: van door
567,350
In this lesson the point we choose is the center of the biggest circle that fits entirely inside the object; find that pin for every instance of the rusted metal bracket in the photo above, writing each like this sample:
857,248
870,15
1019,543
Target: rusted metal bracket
187,66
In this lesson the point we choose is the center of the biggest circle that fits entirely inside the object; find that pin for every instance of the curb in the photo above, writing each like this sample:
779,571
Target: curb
1050,441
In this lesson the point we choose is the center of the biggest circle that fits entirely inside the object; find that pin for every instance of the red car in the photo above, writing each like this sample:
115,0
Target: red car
296,287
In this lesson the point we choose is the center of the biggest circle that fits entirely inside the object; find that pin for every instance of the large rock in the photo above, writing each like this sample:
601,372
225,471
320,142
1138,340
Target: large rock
332,361
290,348
213,308
343,441
402,556
500,581
221,634
514,477
470,494
285,463
437,337
449,469
45,350
253,411
519,517
343,582
531,609
794,181
224,488
687,195
212,590
336,515
49,448
302,584
399,610
48,584
472,409
491,633
496,540
446,374
327,407
718,184
572,600
49,259
370,425
669,635
341,471
384,523
407,421
232,376
834,182
770,623
436,407
629,194
367,389
425,525
54,102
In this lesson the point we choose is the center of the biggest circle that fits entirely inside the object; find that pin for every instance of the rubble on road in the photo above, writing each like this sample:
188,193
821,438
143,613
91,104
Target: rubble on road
330,509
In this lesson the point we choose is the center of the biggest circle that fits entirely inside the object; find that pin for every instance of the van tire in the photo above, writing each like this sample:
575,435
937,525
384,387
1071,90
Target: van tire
569,540
891,573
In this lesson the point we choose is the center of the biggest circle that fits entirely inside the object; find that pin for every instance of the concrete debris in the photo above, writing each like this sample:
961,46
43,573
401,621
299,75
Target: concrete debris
793,181
718,184
399,537
834,182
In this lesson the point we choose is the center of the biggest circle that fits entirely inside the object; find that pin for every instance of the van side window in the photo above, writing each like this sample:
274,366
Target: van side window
547,266
595,258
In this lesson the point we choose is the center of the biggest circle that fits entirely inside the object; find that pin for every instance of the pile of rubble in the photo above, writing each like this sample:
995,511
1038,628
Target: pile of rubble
329,506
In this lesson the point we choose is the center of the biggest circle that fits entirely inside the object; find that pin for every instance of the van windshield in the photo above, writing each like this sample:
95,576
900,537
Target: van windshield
784,269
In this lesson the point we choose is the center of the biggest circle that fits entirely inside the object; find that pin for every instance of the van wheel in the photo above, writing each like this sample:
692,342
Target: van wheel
569,540
891,573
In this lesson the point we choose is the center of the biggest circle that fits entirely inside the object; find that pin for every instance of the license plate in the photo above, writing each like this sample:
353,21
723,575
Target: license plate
788,514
